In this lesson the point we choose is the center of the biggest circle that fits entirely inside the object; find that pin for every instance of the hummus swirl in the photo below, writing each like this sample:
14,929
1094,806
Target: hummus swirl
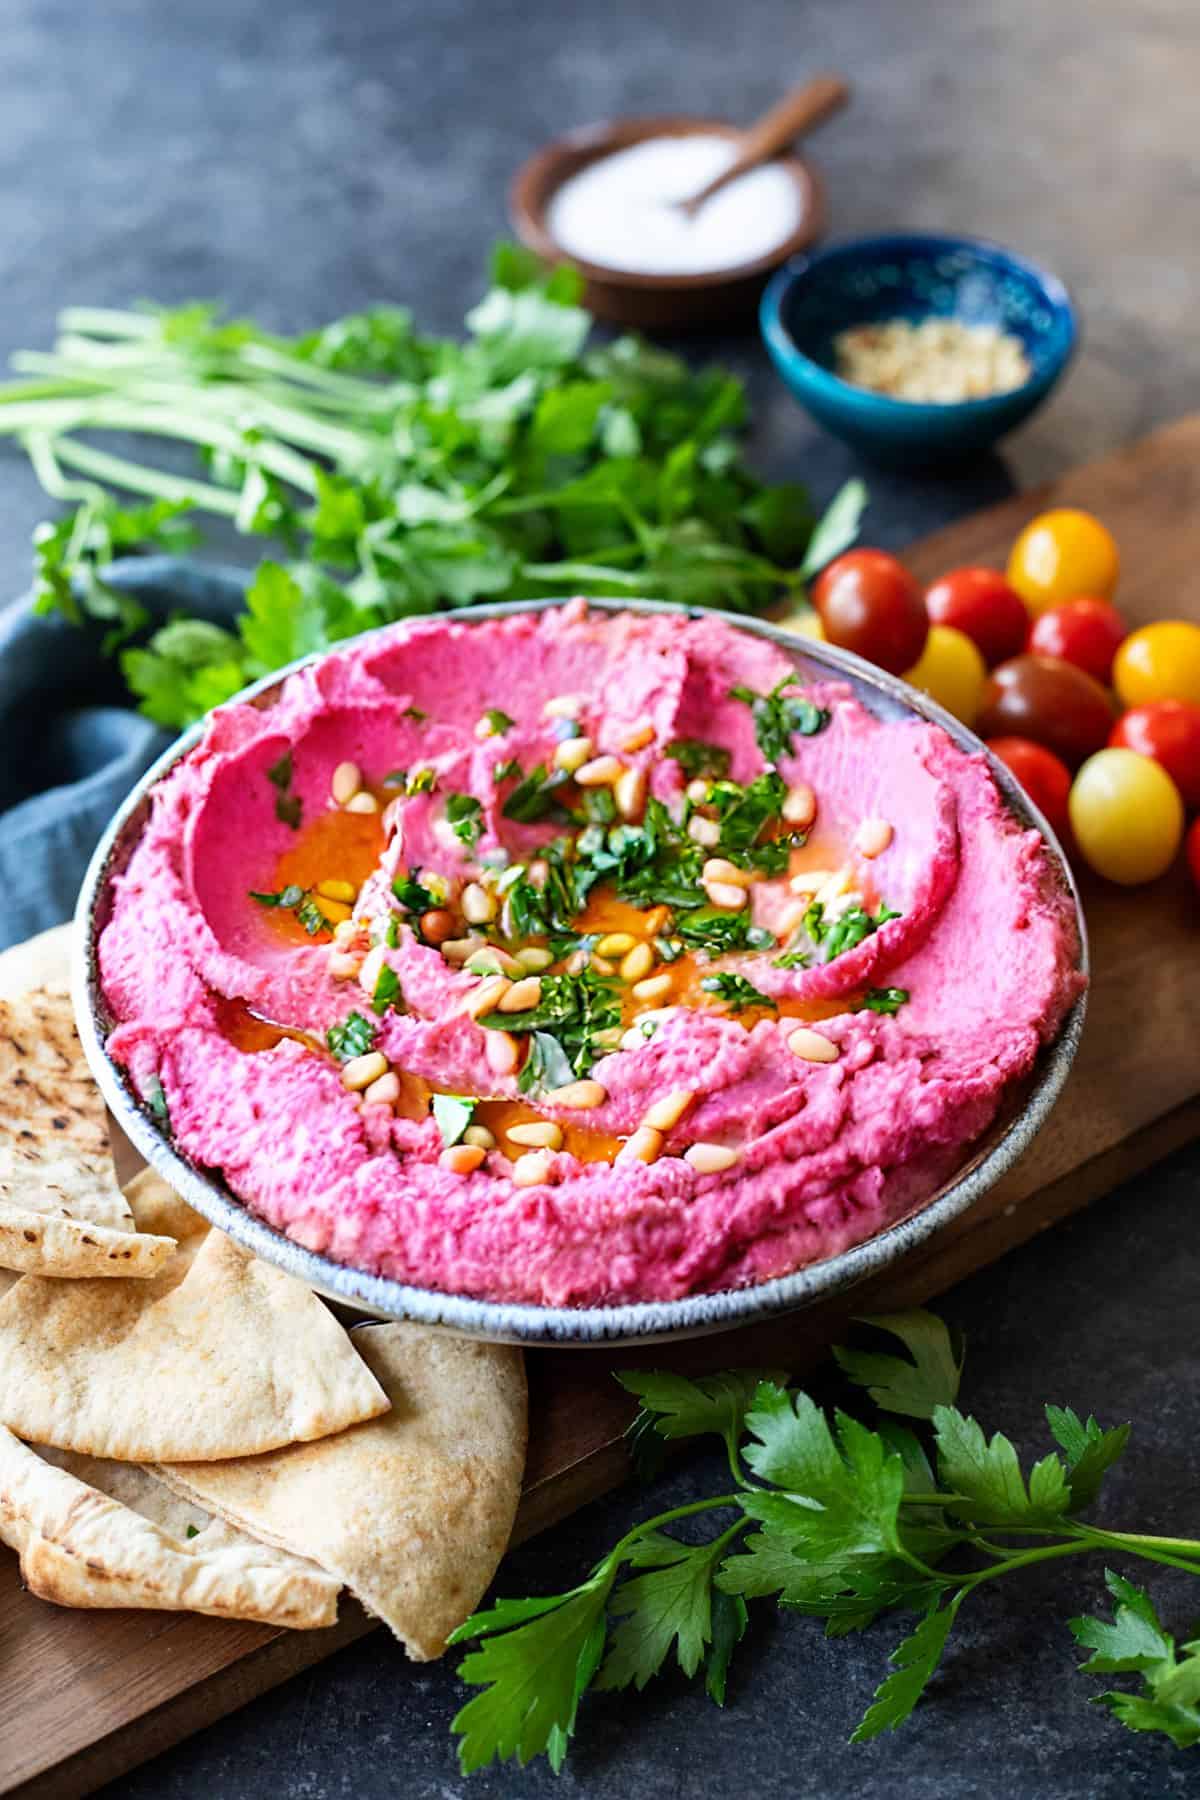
577,958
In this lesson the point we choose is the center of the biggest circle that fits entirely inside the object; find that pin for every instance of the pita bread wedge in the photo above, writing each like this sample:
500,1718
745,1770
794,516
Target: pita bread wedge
61,1211
218,1355
412,1511
98,1534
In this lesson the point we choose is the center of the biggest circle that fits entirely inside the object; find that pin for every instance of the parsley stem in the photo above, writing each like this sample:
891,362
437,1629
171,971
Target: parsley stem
1145,1547
1047,1553
668,1518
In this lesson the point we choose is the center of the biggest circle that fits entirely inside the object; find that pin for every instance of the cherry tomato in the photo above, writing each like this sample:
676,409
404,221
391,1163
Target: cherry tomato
1159,662
1169,731
1126,815
1193,851
1084,631
981,603
1044,776
1060,554
951,671
869,603
1051,702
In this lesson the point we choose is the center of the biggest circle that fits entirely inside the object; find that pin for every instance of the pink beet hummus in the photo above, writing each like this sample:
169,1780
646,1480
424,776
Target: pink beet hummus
845,953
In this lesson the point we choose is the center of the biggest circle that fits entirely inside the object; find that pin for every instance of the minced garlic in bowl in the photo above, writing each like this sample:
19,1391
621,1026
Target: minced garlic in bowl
941,360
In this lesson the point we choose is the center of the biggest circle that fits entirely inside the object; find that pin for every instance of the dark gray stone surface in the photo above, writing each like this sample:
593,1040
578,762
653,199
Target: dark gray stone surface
297,160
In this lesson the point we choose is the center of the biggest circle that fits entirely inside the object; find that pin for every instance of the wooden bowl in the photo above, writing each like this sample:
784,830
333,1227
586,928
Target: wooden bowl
654,302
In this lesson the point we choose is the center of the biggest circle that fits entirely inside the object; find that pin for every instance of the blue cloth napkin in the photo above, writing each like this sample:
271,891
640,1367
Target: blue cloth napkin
71,745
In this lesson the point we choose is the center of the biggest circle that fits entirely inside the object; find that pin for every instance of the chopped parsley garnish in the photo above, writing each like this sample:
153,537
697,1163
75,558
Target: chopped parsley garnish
884,1000
778,716
599,806
497,721
717,932
289,896
192,1531
411,895
155,1098
466,816
546,1067
744,814
288,806
576,1011
411,781
696,758
651,864
534,797
300,901
391,931
353,1037
845,932
504,771
387,992
416,712
791,959
453,1113
736,992
668,949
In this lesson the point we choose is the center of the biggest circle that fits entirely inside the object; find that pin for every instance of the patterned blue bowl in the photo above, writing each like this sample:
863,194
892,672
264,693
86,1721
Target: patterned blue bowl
913,276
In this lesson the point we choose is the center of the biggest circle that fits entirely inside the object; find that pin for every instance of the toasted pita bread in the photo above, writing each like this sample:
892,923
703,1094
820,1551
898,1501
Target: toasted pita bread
412,1511
61,1211
102,1534
218,1355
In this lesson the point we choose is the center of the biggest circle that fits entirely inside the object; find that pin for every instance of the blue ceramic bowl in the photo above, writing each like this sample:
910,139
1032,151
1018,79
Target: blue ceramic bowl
912,276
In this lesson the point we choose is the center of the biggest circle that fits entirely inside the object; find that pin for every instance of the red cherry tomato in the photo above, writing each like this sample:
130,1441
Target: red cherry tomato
1044,776
1082,631
1192,843
869,603
980,603
1052,702
1169,731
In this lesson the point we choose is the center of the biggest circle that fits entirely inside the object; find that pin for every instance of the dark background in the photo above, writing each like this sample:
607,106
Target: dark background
297,160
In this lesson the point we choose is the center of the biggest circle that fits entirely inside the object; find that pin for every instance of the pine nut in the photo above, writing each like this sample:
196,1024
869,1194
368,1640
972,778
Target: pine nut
572,753
532,1169
667,1112
705,832
842,903
616,943
437,885
347,779
639,737
800,805
462,1159
655,919
601,965
644,1146
790,919
637,964
436,925
479,907
697,791
361,1071
491,961
810,1046
602,771
656,987
717,868
539,1134
502,1052
457,950
522,996
629,792
362,802
724,895
710,1159
563,706
633,1039
333,912
608,1039
534,958
577,962
385,1091
480,1136
338,890
837,884
580,1094
372,968
810,881
345,932
873,837
486,997
342,965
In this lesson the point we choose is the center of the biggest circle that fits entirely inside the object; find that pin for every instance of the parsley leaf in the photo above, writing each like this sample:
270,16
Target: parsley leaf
894,1383
914,1661
387,992
791,959
1136,1643
453,1113
986,1477
412,896
736,992
290,897
668,1608
497,721
779,716
535,796
288,806
1091,1451
578,1011
717,933
546,1067
697,758
884,1000
466,816
683,1408
354,1036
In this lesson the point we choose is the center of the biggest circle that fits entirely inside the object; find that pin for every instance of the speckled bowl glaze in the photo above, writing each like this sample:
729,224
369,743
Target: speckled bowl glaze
627,1324
911,277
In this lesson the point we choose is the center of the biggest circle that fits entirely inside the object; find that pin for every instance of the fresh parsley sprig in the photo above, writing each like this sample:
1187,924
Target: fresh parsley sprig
837,1519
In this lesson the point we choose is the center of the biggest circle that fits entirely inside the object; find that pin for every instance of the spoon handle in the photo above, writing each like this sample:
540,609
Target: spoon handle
798,112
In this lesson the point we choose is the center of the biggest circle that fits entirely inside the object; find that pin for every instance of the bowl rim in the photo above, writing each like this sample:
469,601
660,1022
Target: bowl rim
787,353
534,185
633,1322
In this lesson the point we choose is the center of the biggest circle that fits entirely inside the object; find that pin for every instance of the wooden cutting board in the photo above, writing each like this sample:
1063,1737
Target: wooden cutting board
84,1697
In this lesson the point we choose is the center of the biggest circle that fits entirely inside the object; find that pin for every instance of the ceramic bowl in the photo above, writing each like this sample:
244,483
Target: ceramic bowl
913,277
503,1321
654,302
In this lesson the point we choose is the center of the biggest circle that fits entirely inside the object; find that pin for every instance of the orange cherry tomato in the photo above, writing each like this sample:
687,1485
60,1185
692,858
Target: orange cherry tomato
1060,554
1169,731
1044,776
1052,702
1193,851
1085,631
1159,662
869,603
980,603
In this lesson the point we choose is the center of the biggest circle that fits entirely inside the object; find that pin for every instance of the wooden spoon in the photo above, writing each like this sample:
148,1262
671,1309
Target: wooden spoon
797,113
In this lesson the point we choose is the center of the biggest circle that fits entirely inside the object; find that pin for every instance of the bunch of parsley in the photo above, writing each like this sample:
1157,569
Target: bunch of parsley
837,1519
401,472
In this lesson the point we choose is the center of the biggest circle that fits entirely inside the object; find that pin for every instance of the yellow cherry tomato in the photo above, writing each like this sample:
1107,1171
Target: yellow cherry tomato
1127,816
1061,554
1159,662
951,671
